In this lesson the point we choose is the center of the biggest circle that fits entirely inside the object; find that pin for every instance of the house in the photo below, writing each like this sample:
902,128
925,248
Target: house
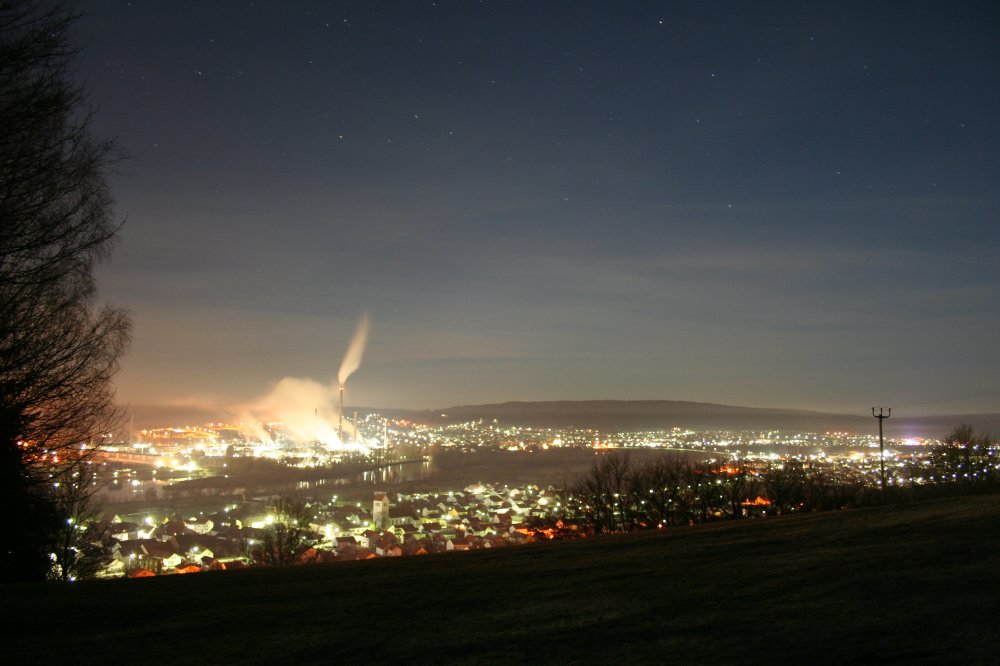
316,556
477,526
163,551
199,525
387,546
414,547
357,516
147,554
172,527
495,541
403,514
407,531
124,531
212,564
221,520
197,545
422,506
388,549
502,521
146,531
516,538
412,543
437,544
521,528
517,506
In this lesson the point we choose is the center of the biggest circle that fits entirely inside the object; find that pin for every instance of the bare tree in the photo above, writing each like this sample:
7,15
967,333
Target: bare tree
620,472
706,485
785,484
591,494
59,347
287,534
606,494
81,546
739,485
661,479
620,495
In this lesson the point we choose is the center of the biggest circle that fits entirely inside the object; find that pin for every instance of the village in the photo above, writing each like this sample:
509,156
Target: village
387,525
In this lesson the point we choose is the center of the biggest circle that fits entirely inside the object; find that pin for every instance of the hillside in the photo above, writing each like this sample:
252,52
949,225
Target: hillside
906,583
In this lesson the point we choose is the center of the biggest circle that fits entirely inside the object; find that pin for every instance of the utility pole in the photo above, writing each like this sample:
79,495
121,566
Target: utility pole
881,447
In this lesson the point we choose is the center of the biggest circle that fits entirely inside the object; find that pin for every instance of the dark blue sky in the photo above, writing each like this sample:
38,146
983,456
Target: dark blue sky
775,204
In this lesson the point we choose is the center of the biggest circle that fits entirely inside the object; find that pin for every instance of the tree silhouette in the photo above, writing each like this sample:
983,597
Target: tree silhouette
59,348
81,547
966,459
287,534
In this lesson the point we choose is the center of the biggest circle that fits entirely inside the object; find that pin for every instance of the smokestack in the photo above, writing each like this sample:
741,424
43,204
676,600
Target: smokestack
354,424
340,423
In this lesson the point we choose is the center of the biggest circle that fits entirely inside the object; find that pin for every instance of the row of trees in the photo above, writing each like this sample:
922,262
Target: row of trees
965,459
620,495
59,347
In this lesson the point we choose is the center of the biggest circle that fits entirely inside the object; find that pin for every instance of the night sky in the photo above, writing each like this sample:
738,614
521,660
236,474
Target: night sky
765,204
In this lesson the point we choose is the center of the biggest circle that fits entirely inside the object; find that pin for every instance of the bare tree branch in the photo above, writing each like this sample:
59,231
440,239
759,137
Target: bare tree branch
59,347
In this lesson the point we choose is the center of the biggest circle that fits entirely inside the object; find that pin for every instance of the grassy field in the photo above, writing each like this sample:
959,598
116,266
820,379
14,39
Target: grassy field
914,583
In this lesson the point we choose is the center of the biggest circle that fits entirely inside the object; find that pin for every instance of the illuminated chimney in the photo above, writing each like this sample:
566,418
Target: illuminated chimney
340,423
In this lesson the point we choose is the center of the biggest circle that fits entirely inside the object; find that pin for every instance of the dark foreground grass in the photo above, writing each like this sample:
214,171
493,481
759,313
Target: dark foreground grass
916,583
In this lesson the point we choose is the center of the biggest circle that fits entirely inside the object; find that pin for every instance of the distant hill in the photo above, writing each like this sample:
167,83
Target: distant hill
633,415
908,583
161,416
627,415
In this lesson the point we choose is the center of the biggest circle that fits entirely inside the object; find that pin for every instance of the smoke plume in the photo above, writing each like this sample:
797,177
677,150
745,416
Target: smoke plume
352,360
307,409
